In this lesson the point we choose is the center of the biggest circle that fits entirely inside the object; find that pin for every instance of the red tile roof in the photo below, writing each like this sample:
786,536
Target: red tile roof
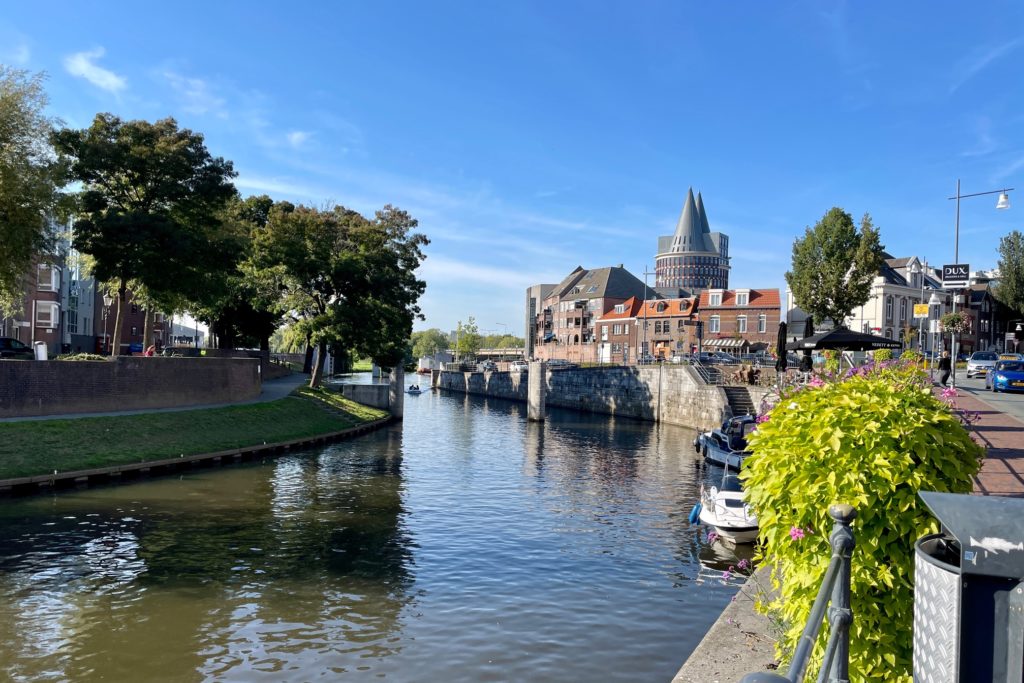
632,305
673,308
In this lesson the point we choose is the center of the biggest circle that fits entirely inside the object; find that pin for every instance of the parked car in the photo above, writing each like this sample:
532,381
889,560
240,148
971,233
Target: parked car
980,363
723,358
518,366
487,366
560,364
645,359
678,358
1007,375
12,349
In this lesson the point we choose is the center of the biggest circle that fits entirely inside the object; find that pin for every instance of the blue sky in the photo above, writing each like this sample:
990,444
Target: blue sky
530,137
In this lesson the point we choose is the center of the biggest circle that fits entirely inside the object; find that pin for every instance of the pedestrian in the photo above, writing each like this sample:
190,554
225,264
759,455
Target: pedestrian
151,351
945,367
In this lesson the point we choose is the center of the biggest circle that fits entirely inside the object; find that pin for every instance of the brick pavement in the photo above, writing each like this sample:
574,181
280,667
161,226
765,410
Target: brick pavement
1002,473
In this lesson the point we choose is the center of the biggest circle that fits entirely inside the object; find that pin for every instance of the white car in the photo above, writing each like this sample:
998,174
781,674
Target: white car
980,363
518,366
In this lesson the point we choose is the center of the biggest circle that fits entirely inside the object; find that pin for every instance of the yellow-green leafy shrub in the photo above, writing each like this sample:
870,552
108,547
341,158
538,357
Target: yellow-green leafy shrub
882,355
873,439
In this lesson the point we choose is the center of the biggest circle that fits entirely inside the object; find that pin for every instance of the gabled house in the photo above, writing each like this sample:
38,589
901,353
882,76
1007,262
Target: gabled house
739,320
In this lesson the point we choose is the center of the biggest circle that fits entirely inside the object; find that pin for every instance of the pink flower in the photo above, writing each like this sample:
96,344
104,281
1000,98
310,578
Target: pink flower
949,392
796,533
712,537
762,418
743,564
816,382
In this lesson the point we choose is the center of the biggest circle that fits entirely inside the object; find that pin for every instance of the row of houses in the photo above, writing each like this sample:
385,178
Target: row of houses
65,309
609,315
904,282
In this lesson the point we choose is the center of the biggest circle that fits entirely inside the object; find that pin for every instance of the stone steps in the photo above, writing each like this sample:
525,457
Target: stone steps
740,400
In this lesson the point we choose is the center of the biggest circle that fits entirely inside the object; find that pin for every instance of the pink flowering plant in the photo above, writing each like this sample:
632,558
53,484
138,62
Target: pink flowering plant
873,437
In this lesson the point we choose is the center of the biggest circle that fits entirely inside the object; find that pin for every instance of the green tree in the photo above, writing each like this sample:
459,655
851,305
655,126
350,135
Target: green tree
1010,290
428,342
467,338
834,265
149,205
346,280
30,177
502,341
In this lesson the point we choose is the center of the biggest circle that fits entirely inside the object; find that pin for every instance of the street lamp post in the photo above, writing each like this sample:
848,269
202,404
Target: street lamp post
933,300
107,300
1002,203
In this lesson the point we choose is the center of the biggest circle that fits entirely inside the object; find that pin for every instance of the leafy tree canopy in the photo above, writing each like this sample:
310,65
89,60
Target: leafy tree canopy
834,265
1010,290
467,338
30,176
346,279
428,342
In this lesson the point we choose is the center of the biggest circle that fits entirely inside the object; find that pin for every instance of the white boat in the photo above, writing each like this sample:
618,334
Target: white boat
726,511
727,446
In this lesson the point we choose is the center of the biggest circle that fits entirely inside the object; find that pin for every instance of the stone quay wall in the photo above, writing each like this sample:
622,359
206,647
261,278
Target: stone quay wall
29,388
662,393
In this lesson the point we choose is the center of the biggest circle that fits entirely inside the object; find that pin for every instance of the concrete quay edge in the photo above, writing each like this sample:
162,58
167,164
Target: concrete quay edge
737,644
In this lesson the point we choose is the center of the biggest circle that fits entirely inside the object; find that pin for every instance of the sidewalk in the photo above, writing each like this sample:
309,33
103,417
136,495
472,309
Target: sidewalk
1002,473
272,390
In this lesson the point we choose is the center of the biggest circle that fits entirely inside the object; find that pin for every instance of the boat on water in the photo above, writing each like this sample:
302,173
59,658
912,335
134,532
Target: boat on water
414,389
727,446
724,508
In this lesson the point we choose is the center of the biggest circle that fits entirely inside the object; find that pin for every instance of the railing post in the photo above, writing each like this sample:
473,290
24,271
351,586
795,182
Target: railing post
840,614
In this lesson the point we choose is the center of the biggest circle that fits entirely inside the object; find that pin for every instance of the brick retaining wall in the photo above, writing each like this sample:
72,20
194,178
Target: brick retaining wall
29,388
671,394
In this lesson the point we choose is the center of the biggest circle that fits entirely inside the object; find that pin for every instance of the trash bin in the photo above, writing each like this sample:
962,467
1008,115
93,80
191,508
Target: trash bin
40,348
968,591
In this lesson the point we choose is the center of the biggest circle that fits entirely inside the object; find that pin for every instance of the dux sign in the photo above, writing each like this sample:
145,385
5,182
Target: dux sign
955,276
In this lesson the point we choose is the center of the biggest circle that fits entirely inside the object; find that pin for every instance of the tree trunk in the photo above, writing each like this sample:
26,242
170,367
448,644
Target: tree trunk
307,363
147,330
318,369
115,342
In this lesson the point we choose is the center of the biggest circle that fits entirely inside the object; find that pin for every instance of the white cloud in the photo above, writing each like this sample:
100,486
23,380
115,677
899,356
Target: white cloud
20,54
83,65
967,68
197,97
276,186
438,269
297,137
1006,171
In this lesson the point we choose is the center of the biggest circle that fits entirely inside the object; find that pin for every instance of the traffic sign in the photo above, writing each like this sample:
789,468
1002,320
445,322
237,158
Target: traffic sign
920,310
955,275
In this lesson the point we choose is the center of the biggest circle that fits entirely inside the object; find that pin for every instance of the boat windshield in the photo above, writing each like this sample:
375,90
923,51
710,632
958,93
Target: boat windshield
730,482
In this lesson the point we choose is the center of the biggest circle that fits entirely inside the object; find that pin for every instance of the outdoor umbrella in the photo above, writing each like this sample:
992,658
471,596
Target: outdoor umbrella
845,339
806,364
780,345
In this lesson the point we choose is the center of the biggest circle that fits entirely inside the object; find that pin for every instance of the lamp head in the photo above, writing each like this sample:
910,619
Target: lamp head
1004,201
107,300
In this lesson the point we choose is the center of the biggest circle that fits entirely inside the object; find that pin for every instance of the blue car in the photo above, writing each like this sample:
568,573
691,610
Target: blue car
1008,375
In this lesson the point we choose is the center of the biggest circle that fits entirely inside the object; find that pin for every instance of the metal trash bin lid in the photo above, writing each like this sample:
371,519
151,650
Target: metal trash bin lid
990,530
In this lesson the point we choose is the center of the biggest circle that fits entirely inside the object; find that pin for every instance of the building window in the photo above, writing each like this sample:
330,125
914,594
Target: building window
48,279
604,333
72,322
620,308
762,323
616,329
135,331
888,308
681,325
47,314
742,299
715,325
715,299
741,324
616,348
903,310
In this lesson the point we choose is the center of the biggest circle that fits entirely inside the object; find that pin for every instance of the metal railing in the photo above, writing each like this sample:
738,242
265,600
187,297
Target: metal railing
835,587
708,373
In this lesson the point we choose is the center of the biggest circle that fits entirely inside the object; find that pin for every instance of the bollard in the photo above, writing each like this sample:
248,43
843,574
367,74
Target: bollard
536,396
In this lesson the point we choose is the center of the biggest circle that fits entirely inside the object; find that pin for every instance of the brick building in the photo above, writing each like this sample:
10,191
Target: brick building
618,332
670,327
693,258
739,320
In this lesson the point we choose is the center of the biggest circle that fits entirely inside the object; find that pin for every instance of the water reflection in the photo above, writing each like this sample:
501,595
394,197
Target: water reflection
466,544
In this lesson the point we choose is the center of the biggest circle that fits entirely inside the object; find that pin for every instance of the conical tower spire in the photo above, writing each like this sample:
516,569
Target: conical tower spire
688,229
703,217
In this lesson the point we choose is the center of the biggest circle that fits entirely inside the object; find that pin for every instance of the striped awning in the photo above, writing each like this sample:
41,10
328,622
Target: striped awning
726,343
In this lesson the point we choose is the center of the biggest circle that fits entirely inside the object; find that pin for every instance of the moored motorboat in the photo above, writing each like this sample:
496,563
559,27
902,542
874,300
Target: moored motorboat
414,389
727,446
726,511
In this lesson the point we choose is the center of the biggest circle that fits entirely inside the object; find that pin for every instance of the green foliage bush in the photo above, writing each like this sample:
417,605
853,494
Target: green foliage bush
912,356
881,355
831,361
80,356
873,439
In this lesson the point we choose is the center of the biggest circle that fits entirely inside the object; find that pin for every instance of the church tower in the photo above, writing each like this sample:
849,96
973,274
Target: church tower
693,258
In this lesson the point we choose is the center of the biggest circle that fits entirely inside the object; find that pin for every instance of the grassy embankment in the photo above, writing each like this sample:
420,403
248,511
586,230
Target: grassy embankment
40,447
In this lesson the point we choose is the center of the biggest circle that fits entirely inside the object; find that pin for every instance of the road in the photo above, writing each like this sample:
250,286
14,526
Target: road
1009,403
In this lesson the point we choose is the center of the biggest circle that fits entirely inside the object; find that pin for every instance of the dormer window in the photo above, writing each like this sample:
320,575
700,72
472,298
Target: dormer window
620,308
715,299
742,298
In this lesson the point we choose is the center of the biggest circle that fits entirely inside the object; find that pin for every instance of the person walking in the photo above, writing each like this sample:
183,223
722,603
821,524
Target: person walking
945,367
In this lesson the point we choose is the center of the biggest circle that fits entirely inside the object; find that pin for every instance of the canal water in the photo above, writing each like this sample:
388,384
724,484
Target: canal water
465,544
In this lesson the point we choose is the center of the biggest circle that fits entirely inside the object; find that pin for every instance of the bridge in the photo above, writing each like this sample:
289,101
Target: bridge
511,353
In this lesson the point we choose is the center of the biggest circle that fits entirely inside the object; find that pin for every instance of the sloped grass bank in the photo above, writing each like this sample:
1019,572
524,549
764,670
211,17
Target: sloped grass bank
39,447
